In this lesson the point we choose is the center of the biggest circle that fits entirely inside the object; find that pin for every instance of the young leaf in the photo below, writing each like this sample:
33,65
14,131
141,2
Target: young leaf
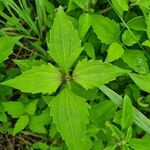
127,113
148,26
64,45
117,133
94,73
129,135
142,121
15,109
40,145
107,30
81,3
136,60
84,24
143,81
102,112
3,117
21,124
89,49
31,107
117,7
80,91
146,43
70,114
139,144
115,51
27,64
6,48
129,38
123,4
39,79
38,122
137,24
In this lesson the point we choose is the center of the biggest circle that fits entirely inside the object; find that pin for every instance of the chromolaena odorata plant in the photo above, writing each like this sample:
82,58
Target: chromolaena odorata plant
70,112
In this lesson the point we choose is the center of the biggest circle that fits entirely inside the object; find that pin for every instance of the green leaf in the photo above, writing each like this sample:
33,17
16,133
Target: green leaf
39,79
129,135
64,45
137,24
3,117
115,51
136,60
140,144
102,112
81,3
148,26
90,94
94,73
107,30
142,121
31,107
40,146
21,124
117,133
120,6
84,24
129,38
123,4
127,113
27,64
117,7
70,114
6,48
143,81
89,49
15,109
38,122
146,43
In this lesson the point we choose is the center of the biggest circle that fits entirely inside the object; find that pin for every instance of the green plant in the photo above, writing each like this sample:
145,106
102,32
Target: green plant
65,93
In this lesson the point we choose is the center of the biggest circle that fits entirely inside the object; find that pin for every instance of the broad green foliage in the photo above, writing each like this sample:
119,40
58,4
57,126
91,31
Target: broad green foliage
94,73
31,107
15,109
84,24
107,30
136,60
7,48
39,79
21,124
102,112
80,91
115,51
64,45
137,24
57,60
117,133
139,144
148,26
146,43
70,114
89,49
143,81
28,64
40,145
130,38
81,3
38,122
127,113
120,6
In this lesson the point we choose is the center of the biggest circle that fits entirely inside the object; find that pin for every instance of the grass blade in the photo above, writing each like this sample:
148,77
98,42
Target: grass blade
141,120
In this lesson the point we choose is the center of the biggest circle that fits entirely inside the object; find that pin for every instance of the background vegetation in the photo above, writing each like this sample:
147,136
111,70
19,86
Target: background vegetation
74,74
